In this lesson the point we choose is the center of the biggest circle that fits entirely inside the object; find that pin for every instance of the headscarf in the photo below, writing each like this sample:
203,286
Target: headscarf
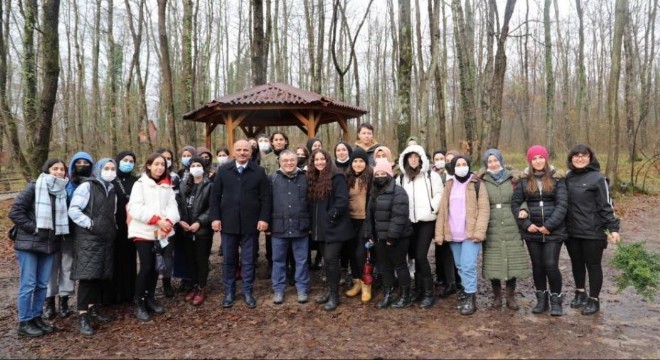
346,163
122,155
498,176
311,142
98,168
453,167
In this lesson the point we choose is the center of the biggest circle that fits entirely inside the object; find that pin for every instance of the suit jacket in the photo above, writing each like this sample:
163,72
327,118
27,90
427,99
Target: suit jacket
240,201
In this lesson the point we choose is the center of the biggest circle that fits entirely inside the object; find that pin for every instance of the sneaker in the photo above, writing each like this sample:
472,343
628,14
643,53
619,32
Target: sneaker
302,297
278,298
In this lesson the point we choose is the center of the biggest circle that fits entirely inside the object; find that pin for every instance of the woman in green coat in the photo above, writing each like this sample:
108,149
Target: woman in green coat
504,254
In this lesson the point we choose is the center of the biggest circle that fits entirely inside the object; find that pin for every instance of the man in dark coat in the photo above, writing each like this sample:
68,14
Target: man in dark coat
240,208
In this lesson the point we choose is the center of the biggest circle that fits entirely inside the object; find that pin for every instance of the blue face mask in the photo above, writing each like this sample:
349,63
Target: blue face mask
185,161
126,167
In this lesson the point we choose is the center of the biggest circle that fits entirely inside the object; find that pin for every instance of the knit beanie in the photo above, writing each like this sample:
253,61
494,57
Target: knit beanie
383,165
201,150
537,150
359,153
189,149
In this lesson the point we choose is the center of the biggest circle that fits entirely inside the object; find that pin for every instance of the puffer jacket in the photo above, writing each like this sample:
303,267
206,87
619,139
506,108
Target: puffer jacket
544,209
290,208
504,255
199,210
149,199
28,237
424,190
93,248
477,212
387,214
590,211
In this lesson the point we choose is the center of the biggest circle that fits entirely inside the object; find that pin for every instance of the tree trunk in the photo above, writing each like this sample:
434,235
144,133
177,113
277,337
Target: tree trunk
612,91
404,71
166,71
549,83
115,57
29,69
258,47
438,74
581,101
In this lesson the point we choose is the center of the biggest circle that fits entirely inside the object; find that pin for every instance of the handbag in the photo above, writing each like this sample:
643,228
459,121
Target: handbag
12,233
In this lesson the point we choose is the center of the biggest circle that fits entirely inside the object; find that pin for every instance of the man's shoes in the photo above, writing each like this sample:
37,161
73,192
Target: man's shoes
250,301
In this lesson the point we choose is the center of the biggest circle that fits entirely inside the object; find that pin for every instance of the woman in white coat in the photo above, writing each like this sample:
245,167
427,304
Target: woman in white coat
424,188
152,212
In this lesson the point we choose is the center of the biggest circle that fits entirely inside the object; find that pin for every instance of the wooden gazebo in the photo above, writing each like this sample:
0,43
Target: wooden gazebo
275,104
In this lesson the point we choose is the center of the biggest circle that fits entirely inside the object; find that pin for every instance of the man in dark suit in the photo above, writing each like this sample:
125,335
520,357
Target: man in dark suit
240,207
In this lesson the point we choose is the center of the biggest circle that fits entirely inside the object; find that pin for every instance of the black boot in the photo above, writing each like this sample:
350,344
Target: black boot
387,299
447,290
556,304
541,302
84,325
497,294
141,310
168,290
41,324
580,300
94,315
324,298
461,297
28,328
470,304
333,299
428,296
49,308
592,307
64,307
416,293
153,305
405,299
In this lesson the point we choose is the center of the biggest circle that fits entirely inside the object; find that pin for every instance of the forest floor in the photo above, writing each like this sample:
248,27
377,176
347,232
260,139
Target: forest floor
626,327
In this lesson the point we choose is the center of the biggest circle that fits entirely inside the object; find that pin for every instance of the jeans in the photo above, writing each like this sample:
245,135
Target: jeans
35,269
230,243
465,256
393,259
545,265
60,282
586,256
280,247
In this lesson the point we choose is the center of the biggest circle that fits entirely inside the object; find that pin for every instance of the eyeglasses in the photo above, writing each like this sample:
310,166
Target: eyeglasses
580,156
289,160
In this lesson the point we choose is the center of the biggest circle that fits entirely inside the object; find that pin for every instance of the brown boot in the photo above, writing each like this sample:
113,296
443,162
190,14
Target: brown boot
511,301
497,295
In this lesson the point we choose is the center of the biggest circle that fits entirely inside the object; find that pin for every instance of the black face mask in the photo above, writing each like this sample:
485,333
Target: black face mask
380,181
82,170
301,161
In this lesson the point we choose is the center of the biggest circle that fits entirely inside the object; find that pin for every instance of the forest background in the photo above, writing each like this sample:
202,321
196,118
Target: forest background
108,75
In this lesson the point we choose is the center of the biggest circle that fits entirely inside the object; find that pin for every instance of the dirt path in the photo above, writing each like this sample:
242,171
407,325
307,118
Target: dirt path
626,327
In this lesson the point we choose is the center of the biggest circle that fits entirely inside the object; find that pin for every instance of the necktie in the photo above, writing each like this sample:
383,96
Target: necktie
240,169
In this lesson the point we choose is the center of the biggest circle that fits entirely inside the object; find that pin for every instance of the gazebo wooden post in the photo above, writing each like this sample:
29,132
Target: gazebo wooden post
209,130
229,123
343,124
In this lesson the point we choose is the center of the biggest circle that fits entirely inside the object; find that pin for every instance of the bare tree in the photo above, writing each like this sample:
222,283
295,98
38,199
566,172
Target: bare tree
549,82
166,74
404,73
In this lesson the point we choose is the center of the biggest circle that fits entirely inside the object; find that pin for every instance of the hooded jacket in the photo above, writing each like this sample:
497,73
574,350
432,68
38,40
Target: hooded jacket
424,190
71,186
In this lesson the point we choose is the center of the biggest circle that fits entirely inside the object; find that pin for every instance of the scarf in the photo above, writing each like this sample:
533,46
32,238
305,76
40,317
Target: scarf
50,185
499,176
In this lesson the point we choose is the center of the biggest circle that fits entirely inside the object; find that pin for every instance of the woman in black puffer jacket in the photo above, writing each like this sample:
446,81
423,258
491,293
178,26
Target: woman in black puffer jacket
590,223
388,226
543,226
39,214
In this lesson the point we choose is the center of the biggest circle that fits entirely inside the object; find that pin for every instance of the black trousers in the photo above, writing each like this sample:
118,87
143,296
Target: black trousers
356,251
331,266
445,267
420,241
89,293
145,284
545,265
586,257
393,259
198,250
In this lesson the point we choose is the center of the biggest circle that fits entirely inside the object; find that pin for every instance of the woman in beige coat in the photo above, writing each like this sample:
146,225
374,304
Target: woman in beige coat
463,221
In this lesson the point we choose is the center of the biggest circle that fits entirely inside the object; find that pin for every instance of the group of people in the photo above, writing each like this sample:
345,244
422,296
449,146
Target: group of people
362,212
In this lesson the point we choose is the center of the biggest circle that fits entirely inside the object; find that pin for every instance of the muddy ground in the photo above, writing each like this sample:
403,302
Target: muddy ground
626,327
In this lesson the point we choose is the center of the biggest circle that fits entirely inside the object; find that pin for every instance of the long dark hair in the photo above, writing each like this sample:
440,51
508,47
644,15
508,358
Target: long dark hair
49,163
150,160
410,172
320,182
366,176
547,182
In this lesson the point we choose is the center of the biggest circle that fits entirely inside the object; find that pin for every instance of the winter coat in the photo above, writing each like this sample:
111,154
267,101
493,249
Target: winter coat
544,209
504,255
424,190
149,200
387,214
28,237
198,211
590,211
477,212
330,217
290,208
270,163
240,201
93,248
123,185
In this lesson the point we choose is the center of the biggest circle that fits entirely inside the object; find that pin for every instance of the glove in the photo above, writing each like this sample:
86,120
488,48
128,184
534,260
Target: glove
333,215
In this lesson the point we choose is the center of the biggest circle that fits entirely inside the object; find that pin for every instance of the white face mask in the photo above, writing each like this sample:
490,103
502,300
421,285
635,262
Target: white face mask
439,164
222,160
196,171
264,146
461,171
108,175
169,164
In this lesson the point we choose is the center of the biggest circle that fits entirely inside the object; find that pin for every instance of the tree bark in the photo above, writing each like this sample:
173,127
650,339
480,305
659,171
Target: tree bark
259,44
404,71
549,83
581,101
166,74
